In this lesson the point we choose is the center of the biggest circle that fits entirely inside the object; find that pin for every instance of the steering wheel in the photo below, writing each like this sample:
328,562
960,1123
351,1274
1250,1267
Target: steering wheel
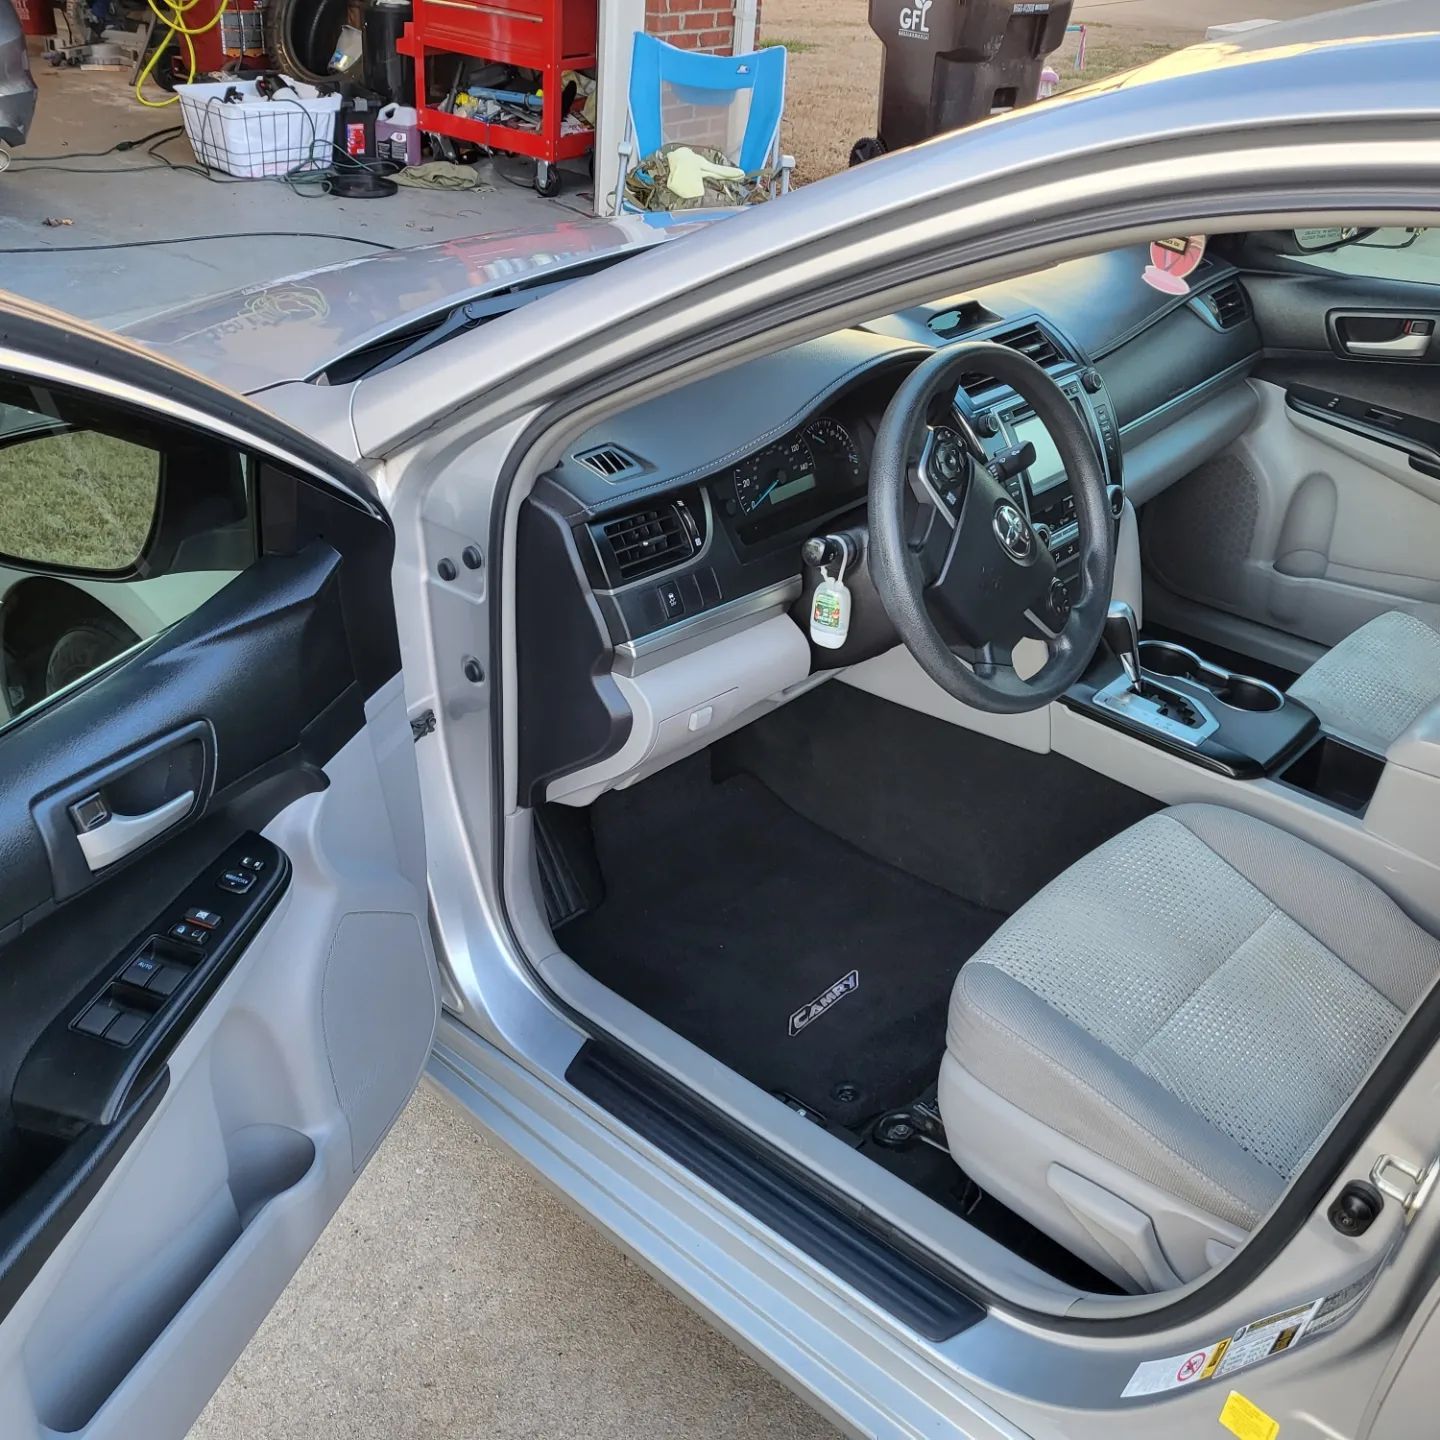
962,574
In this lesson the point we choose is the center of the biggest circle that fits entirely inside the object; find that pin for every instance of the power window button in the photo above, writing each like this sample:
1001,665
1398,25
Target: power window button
126,1027
139,971
96,1020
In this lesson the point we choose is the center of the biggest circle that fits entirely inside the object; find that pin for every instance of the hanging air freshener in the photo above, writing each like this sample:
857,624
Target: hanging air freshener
830,607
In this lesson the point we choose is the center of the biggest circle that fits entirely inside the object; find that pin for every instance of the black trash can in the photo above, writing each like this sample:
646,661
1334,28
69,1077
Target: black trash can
951,62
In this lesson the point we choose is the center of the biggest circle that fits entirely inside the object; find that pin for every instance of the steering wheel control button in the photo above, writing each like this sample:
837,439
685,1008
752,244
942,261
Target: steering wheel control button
97,1019
1013,532
188,934
1059,601
949,458
238,882
205,919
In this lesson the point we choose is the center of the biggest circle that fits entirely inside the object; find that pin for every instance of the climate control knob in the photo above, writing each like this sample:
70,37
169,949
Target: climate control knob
1042,533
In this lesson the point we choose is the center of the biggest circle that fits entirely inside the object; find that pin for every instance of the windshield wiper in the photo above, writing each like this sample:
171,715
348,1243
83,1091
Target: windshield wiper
386,351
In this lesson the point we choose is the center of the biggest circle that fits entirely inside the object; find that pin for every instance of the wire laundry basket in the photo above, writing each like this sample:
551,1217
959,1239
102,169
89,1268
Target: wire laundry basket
253,137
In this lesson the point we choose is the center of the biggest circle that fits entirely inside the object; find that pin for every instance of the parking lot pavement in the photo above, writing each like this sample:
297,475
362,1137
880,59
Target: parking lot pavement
452,1296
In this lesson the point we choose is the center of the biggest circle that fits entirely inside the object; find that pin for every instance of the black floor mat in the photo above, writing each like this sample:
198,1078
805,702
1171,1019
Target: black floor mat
731,919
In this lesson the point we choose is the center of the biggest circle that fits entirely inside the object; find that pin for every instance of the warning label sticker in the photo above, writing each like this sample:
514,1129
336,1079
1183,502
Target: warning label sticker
1154,1376
1251,1343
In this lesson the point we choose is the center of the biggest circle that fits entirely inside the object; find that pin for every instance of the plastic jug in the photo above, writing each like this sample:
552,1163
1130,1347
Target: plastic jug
397,134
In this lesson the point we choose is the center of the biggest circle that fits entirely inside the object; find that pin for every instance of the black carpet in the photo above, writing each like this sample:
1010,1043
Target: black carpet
726,913
989,822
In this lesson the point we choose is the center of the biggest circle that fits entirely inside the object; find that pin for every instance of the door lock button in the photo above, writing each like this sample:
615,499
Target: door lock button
188,934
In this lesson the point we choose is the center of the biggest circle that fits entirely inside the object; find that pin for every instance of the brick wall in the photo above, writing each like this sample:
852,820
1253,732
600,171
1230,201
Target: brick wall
693,24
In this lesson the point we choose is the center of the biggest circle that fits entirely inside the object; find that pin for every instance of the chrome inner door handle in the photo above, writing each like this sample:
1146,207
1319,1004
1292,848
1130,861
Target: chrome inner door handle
1404,347
111,839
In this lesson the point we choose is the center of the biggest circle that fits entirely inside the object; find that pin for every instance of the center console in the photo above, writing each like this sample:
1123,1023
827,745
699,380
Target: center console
1171,697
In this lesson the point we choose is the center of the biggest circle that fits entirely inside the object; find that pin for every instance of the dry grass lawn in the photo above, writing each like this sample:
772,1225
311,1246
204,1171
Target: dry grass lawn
834,81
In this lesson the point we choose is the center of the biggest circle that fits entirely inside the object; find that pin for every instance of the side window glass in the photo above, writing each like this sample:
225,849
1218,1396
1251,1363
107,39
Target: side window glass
113,526
1387,254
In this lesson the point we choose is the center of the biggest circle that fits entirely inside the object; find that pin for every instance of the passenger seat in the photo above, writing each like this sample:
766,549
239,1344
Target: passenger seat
1376,682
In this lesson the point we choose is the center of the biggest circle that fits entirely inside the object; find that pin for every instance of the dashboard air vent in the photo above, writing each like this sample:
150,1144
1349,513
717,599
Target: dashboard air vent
1031,340
1227,305
609,462
644,542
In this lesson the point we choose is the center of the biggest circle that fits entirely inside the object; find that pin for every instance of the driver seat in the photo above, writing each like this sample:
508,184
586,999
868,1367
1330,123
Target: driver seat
1143,1056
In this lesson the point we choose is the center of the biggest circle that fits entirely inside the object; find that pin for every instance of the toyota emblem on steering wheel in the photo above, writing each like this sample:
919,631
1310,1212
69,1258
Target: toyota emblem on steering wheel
1013,532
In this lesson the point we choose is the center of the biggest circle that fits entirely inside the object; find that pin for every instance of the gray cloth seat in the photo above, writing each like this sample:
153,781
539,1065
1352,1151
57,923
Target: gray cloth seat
1376,682
1140,1059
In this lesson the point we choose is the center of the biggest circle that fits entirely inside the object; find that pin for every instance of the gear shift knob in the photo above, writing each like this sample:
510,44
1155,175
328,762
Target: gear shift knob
1122,635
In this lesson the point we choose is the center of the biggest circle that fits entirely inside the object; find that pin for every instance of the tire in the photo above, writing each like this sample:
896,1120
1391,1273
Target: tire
79,649
547,179
871,147
303,35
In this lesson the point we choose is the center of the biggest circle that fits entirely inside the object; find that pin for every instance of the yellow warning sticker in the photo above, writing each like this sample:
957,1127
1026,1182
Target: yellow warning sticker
1246,1419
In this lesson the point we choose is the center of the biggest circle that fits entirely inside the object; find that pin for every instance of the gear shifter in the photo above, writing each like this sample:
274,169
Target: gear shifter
1122,635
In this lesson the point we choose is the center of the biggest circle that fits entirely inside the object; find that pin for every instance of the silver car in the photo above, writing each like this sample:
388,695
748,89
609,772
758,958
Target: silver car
17,84
888,745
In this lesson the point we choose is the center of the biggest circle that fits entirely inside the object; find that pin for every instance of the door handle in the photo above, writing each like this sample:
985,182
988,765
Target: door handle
106,837
1402,347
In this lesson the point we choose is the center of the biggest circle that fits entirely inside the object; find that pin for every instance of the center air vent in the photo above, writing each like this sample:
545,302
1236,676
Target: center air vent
1030,340
609,462
1226,305
646,541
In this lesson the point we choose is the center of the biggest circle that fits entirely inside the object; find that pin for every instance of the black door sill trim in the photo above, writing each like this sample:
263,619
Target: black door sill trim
669,1120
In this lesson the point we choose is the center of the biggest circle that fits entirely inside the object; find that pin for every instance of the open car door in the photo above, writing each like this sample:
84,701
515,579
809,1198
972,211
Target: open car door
217,989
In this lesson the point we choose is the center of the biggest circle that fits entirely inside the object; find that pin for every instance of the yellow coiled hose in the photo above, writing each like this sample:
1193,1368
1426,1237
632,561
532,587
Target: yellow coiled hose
171,15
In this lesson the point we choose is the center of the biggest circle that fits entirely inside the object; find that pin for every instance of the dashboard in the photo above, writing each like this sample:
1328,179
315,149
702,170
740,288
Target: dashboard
670,526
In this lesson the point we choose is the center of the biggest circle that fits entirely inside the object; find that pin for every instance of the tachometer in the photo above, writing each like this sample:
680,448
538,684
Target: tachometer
775,475
835,452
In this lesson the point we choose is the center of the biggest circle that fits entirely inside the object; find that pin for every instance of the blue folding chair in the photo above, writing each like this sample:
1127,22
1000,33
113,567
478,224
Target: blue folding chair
731,103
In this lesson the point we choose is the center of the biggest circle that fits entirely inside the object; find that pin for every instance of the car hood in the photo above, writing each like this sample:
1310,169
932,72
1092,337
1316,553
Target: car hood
290,329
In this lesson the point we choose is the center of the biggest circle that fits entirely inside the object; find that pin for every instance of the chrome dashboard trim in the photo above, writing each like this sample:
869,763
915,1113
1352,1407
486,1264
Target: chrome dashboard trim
684,637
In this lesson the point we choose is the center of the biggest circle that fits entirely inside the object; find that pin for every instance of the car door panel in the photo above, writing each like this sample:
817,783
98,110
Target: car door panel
1326,512
160,1188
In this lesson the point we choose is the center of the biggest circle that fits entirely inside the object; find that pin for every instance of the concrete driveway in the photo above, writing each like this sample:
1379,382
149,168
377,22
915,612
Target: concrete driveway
453,1297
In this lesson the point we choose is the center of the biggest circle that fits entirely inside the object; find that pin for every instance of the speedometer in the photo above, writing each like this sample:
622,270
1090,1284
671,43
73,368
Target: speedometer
835,452
774,475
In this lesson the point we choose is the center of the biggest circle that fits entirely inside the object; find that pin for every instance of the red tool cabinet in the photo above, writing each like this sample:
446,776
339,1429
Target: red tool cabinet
550,36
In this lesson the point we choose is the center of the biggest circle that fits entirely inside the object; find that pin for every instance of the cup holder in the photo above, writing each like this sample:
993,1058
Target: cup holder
1160,657
1243,693
1239,692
